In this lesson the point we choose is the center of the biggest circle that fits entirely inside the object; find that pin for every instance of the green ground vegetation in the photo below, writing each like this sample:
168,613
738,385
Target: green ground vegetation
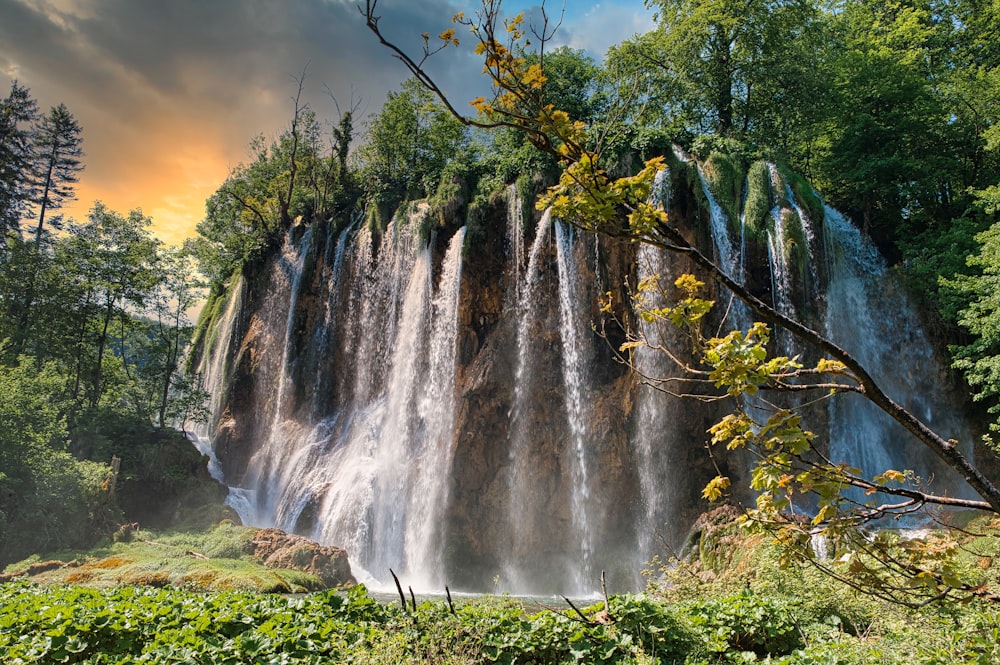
729,601
200,558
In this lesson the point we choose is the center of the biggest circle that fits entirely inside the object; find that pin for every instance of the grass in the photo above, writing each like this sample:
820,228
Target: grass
728,601
209,560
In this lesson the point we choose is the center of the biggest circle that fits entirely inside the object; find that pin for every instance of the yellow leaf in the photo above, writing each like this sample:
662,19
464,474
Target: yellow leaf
689,284
890,476
827,366
714,489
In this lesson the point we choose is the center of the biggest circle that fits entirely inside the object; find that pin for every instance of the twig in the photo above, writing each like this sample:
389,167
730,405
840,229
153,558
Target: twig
604,590
447,593
399,588
582,616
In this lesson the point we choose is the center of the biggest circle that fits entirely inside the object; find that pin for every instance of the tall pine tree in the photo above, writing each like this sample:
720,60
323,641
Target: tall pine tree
17,111
58,151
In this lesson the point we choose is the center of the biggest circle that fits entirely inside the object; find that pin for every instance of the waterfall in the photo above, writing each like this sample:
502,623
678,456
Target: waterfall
656,439
575,383
515,228
520,506
433,399
218,353
268,473
326,333
870,316
425,528
727,257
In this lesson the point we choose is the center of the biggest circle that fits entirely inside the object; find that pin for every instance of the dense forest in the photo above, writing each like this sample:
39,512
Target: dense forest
93,326
888,109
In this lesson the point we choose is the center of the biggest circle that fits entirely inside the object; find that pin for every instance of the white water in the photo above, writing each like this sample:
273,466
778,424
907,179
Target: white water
727,257
572,327
656,437
270,457
872,319
367,455
519,507
426,527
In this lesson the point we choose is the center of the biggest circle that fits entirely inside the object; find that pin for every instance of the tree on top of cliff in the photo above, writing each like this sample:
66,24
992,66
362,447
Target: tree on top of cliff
738,363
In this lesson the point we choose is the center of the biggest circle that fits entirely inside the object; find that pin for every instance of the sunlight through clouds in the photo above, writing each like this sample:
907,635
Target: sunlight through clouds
169,94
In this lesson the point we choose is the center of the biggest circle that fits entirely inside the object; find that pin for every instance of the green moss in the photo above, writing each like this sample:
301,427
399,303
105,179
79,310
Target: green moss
757,207
724,174
805,195
209,560
478,219
207,330
209,314
796,245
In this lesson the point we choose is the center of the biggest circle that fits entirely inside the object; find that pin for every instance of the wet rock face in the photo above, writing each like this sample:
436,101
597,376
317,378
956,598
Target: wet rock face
536,457
527,494
277,549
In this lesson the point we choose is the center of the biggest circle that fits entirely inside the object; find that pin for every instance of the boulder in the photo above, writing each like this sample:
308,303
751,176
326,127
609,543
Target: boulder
277,549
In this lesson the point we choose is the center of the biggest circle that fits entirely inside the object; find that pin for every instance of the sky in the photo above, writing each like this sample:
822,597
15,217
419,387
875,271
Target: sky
170,92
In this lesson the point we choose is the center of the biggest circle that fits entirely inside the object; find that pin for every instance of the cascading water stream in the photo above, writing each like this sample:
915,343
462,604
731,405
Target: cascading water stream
781,279
515,229
268,473
398,438
426,525
575,383
726,255
656,440
519,504
327,331
871,318
465,425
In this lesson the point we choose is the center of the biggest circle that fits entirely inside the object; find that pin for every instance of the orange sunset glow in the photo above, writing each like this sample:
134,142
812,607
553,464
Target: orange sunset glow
169,94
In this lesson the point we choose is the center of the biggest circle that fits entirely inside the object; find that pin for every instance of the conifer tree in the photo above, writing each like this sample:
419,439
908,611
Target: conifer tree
57,145
17,111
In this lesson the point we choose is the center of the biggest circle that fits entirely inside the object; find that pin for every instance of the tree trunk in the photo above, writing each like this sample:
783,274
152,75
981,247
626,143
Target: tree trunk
95,395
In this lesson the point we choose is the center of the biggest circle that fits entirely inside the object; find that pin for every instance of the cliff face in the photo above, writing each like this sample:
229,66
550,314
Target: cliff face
444,404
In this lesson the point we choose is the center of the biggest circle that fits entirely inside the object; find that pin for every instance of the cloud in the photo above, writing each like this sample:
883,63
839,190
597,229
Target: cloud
608,23
170,92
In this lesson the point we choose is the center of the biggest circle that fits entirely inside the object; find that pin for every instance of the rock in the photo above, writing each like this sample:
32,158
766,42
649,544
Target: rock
277,549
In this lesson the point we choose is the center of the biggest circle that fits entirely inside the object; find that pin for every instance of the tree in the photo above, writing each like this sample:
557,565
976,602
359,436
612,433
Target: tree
980,359
407,145
730,63
738,363
17,111
57,148
57,152
119,257
170,329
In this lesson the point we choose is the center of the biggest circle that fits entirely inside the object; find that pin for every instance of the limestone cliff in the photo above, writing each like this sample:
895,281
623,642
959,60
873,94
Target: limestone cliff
442,397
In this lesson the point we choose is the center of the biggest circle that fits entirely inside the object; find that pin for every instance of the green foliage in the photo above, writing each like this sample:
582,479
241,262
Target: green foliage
746,622
980,359
734,65
757,206
131,624
101,341
47,498
408,144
